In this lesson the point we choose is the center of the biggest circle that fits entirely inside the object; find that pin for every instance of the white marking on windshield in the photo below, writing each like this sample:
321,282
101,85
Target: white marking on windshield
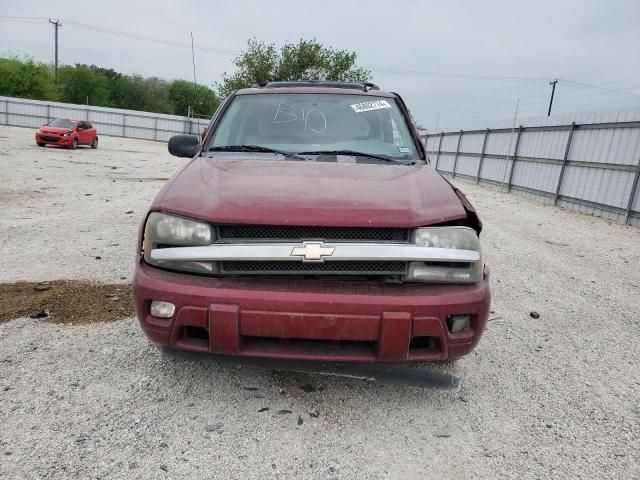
314,119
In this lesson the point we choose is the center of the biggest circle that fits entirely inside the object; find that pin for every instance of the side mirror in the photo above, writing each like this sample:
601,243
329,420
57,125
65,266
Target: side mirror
184,145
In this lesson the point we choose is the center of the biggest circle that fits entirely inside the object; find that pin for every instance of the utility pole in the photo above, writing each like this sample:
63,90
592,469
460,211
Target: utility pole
553,90
195,85
56,25
513,129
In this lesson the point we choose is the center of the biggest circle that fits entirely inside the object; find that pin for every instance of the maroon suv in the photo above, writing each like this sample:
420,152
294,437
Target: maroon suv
309,225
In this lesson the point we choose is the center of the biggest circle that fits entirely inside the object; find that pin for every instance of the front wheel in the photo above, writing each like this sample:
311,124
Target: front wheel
40,144
94,144
74,144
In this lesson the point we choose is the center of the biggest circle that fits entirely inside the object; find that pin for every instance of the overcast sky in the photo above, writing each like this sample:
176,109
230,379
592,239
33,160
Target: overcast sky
593,42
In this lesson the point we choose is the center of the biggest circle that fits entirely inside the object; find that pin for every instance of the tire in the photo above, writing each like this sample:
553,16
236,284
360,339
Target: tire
94,144
74,144
40,144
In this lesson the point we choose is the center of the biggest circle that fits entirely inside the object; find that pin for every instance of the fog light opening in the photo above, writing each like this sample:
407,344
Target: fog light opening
424,343
458,323
161,309
195,335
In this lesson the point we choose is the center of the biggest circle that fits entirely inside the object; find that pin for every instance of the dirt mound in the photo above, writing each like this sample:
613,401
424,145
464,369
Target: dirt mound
66,301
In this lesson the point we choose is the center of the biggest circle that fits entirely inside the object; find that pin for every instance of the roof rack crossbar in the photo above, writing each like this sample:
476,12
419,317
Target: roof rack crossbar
365,87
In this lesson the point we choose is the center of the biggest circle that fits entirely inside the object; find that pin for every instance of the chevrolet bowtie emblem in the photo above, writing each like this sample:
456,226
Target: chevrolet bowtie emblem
312,252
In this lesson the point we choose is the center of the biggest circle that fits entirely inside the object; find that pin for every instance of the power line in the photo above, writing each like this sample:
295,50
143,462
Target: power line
466,99
567,108
173,43
595,87
465,76
26,19
173,67
135,36
592,94
506,103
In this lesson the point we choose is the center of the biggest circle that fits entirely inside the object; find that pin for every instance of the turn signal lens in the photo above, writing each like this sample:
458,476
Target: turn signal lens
451,238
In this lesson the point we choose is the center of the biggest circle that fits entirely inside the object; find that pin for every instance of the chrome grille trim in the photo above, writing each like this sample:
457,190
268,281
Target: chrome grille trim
342,251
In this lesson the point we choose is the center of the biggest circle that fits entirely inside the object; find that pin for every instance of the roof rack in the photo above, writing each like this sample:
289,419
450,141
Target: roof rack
318,83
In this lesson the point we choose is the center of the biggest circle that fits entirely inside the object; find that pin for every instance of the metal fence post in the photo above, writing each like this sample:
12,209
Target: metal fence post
632,195
564,164
515,158
439,149
48,112
86,114
155,129
484,146
455,159
124,123
6,112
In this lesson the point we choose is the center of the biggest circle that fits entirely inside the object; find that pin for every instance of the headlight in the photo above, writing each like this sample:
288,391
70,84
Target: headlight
451,238
164,231
67,134
171,230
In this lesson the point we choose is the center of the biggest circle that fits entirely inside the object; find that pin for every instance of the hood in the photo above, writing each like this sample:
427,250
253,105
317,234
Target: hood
284,192
48,129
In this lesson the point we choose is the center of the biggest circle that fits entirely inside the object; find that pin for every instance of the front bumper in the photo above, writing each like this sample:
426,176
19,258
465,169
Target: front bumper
53,139
310,320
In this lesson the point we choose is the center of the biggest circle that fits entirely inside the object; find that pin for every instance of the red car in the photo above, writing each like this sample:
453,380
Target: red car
67,133
309,225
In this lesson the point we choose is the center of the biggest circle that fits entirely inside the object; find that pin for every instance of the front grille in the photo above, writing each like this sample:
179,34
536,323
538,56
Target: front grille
302,233
49,139
336,267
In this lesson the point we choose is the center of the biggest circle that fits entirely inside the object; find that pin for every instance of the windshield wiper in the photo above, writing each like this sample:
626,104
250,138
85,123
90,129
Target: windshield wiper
353,153
254,148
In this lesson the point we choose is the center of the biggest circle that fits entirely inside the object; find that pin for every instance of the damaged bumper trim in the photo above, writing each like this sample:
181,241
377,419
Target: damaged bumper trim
374,372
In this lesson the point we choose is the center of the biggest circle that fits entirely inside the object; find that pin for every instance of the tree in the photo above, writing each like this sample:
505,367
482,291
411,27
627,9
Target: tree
26,79
113,79
81,84
201,99
157,96
306,60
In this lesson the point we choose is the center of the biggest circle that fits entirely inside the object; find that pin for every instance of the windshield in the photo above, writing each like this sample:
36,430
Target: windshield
62,123
316,123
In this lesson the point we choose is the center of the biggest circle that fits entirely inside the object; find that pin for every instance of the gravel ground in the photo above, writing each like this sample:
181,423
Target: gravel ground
63,208
554,397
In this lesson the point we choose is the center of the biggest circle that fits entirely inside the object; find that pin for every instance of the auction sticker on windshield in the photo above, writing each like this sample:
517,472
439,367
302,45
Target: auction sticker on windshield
368,106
